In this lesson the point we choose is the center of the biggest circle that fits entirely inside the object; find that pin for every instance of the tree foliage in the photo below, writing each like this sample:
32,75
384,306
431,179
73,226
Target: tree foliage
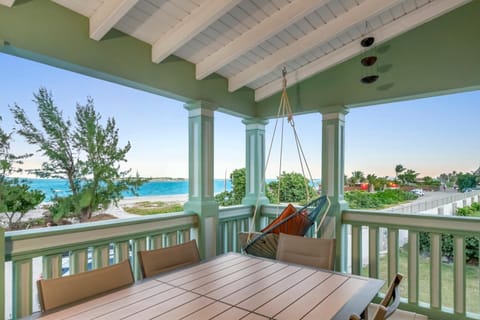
471,243
356,178
290,187
85,152
293,188
234,197
16,198
409,176
378,200
466,180
399,169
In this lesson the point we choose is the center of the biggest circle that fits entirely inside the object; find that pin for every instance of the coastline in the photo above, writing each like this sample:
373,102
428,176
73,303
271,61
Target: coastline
118,210
164,198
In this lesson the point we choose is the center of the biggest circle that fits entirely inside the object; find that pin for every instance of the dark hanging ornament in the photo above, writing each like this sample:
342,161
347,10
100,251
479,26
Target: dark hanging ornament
369,79
367,42
369,61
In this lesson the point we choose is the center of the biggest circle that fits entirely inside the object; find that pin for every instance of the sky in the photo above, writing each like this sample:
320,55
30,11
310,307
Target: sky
430,136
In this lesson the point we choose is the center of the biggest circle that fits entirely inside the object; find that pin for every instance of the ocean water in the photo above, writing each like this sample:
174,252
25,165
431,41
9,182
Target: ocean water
52,187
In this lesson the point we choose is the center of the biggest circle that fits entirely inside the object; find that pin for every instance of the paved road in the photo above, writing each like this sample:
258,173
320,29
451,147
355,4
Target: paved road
428,198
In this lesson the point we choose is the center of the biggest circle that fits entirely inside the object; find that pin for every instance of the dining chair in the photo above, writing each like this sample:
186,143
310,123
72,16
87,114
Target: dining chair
153,262
378,315
392,297
313,252
58,292
390,302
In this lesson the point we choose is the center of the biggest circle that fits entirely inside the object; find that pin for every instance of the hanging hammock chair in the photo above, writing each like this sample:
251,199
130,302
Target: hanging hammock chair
292,221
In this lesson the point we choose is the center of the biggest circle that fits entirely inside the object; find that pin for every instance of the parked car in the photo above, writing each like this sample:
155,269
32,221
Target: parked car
418,192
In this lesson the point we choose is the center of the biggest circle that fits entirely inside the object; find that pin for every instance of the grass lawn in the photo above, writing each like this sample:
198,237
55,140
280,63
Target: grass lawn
153,207
472,281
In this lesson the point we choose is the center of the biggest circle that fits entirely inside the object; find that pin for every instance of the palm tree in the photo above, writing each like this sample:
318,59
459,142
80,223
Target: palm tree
399,169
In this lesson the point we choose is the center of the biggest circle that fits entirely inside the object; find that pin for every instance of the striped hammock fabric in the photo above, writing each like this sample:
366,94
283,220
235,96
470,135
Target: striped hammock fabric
291,221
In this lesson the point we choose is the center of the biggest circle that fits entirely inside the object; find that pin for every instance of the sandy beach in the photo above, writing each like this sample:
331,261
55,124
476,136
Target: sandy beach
118,211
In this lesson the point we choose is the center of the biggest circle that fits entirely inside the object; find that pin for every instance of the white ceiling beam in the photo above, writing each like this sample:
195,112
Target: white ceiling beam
312,40
202,17
397,27
107,15
8,3
266,29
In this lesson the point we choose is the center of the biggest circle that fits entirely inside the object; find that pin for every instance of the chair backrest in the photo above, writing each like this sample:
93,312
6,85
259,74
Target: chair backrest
380,314
58,292
392,297
313,252
153,262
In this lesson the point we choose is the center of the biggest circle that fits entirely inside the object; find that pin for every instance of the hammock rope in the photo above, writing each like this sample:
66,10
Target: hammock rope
285,112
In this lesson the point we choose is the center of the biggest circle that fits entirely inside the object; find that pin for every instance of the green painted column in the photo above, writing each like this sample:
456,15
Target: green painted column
255,164
201,192
333,167
2,272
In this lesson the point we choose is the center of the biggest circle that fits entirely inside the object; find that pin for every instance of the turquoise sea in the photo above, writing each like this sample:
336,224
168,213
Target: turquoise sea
152,188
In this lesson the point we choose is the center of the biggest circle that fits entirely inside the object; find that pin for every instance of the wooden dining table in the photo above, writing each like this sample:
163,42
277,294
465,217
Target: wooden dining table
233,286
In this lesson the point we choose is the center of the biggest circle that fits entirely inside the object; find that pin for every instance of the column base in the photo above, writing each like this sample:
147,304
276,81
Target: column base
207,211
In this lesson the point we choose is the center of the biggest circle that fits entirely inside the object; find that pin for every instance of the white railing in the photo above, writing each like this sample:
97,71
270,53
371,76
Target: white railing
231,221
433,286
453,199
52,252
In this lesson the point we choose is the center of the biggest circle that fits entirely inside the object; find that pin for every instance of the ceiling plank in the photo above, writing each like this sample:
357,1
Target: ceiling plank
313,39
196,22
255,36
107,15
8,3
397,27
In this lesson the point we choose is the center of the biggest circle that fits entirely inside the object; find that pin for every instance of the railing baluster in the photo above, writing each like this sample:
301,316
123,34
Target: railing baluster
185,235
52,266
230,235
78,261
138,245
172,238
459,278
413,275
157,241
22,292
373,249
239,227
100,256
356,249
435,270
121,251
392,253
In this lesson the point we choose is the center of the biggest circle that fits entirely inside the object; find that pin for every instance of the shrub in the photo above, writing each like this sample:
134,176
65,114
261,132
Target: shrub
377,200
471,243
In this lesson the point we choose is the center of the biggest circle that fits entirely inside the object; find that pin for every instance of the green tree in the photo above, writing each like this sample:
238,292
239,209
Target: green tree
294,187
372,181
410,176
466,180
16,198
55,141
357,177
234,197
398,170
87,154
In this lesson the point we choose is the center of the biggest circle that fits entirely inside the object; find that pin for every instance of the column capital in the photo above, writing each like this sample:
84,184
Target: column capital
330,112
255,123
200,107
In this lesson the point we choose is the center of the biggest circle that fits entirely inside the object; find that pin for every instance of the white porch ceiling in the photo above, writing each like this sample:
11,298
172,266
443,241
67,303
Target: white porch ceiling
249,41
